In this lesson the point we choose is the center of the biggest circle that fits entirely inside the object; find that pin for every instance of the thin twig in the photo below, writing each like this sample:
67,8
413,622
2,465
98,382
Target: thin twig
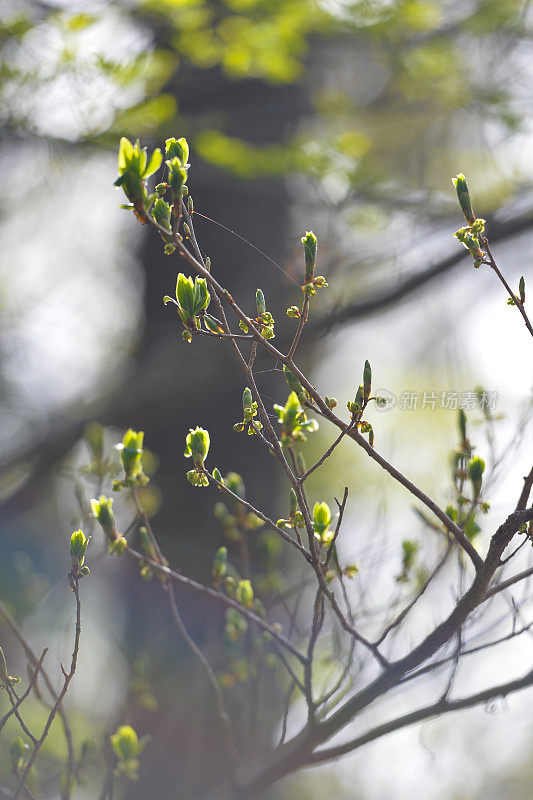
31,683
518,303
321,460
68,677
34,660
220,597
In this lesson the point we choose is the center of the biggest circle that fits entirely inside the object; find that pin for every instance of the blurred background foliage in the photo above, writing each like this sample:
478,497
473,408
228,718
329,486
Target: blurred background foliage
345,117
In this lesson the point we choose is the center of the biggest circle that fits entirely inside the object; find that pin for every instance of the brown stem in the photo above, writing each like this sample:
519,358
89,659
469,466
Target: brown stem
517,301
20,700
34,660
220,597
68,677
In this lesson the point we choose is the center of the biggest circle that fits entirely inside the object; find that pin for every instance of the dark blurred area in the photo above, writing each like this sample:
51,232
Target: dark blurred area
348,118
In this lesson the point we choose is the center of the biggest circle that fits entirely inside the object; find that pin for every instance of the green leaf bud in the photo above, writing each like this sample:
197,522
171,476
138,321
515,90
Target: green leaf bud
293,311
321,518
78,547
156,159
522,289
409,552
351,570
367,380
357,406
471,242
309,242
331,402
197,478
212,325
131,450
366,427
177,148
146,543
177,175
471,528
202,297
244,594
478,226
260,302
185,294
131,167
17,751
247,400
294,384
217,476
463,195
476,468
220,564
160,189
118,546
5,679
168,249
102,511
125,743
197,445
451,512
294,422
293,503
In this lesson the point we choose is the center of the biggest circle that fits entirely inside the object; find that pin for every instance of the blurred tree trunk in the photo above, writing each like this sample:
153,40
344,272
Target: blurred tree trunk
202,385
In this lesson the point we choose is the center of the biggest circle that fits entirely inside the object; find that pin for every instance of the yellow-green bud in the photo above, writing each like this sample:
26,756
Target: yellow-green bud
463,196
131,450
103,513
197,445
351,570
125,743
244,593
293,503
177,148
309,242
476,468
146,543
220,564
260,302
78,547
119,545
17,750
321,518
367,380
